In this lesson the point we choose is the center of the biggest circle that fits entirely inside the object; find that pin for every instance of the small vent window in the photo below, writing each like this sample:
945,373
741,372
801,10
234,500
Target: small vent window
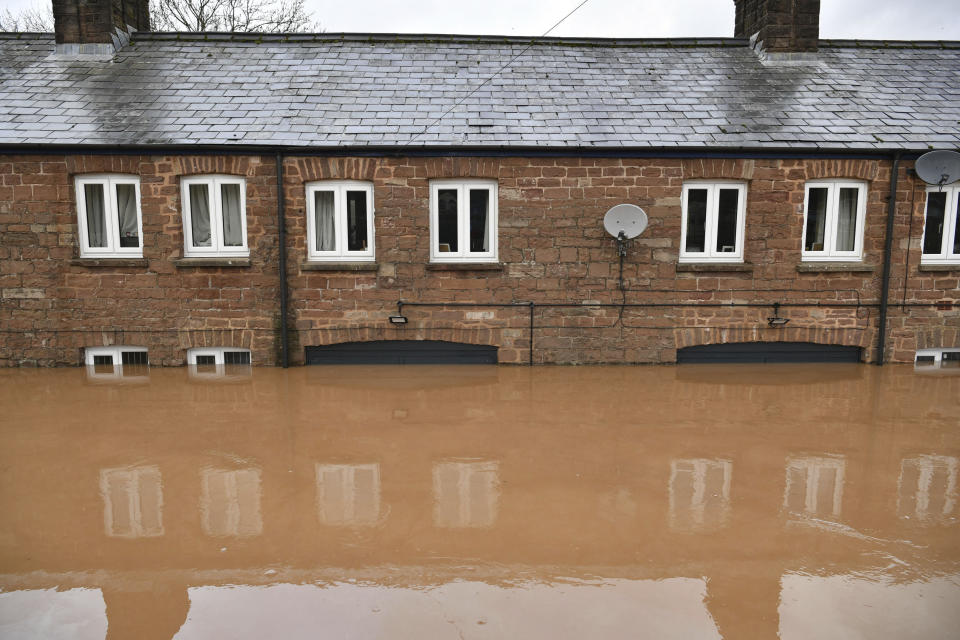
116,363
133,357
236,357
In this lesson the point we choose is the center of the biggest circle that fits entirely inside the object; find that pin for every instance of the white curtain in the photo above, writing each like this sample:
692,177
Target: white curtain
323,220
200,215
816,219
232,224
127,215
847,220
96,215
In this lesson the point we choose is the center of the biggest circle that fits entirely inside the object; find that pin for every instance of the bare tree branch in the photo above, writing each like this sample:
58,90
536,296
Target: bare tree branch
267,16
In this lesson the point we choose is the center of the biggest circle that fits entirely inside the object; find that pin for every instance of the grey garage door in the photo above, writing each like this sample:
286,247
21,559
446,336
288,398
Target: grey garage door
768,352
402,352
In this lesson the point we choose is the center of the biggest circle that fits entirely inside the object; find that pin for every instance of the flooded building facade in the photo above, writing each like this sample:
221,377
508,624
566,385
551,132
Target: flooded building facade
287,194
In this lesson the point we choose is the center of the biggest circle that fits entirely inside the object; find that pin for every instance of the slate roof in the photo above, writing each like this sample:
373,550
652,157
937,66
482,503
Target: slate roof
335,90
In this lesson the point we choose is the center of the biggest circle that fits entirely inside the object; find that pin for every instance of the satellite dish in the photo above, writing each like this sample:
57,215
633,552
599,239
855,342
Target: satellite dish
628,219
938,167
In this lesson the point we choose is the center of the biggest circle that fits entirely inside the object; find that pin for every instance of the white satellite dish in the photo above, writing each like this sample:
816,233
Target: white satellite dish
628,219
939,167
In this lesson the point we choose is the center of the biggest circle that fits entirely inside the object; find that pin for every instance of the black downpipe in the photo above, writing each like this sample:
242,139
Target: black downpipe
282,239
887,251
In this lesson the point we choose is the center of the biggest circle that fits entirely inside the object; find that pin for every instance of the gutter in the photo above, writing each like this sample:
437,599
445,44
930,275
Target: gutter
464,150
887,250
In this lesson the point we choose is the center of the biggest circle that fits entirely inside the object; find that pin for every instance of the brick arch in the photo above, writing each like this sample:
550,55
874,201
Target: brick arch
185,166
457,167
78,165
309,169
858,169
848,337
423,331
717,168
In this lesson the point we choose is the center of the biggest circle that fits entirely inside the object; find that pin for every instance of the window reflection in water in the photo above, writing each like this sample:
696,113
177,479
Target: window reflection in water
348,494
927,488
699,493
815,486
466,494
132,502
230,502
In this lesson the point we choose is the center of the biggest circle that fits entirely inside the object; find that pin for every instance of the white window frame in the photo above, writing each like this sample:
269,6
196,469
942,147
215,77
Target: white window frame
339,189
111,215
216,248
216,352
710,228
829,252
463,218
115,351
946,256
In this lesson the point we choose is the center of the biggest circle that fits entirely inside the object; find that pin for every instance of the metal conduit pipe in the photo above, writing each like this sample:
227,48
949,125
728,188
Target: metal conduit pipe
282,265
887,250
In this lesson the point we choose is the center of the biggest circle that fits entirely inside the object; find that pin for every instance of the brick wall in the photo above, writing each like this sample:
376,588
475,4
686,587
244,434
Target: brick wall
552,246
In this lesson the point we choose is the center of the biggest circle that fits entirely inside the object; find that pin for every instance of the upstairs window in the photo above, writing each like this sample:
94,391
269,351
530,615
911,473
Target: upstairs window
712,226
340,221
108,210
463,221
214,217
941,228
833,216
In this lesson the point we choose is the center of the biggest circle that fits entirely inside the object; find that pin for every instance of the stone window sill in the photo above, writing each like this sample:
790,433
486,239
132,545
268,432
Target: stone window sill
938,267
464,266
714,267
109,262
338,266
181,263
835,267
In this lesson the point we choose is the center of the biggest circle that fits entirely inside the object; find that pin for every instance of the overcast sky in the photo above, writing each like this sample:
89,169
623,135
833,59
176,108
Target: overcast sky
873,19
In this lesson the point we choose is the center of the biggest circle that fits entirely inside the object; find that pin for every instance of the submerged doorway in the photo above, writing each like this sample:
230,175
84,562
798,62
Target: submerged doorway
768,352
402,352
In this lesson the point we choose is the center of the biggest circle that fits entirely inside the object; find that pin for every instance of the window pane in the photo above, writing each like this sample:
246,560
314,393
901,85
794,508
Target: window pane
356,220
127,215
447,220
236,357
96,220
727,221
479,211
847,219
696,220
816,218
206,360
232,224
956,229
324,221
133,357
933,231
200,215
103,360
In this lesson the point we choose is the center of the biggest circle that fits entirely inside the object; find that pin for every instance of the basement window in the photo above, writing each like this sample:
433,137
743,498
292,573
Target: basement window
463,221
214,217
115,356
340,221
108,214
212,362
941,228
713,220
833,217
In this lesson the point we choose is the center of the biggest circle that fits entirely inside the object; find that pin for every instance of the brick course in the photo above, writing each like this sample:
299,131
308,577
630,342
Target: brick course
553,249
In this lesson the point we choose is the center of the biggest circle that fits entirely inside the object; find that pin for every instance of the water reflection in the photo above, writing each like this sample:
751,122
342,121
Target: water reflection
108,373
132,502
466,493
815,486
364,500
348,494
928,488
699,494
230,502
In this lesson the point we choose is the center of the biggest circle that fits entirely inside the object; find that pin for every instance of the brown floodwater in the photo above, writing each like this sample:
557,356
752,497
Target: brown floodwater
699,501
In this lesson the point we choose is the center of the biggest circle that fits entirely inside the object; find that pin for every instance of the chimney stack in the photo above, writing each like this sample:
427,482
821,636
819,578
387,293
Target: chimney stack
97,26
781,26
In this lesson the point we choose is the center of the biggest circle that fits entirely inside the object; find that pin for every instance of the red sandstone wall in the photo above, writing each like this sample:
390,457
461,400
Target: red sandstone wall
552,249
